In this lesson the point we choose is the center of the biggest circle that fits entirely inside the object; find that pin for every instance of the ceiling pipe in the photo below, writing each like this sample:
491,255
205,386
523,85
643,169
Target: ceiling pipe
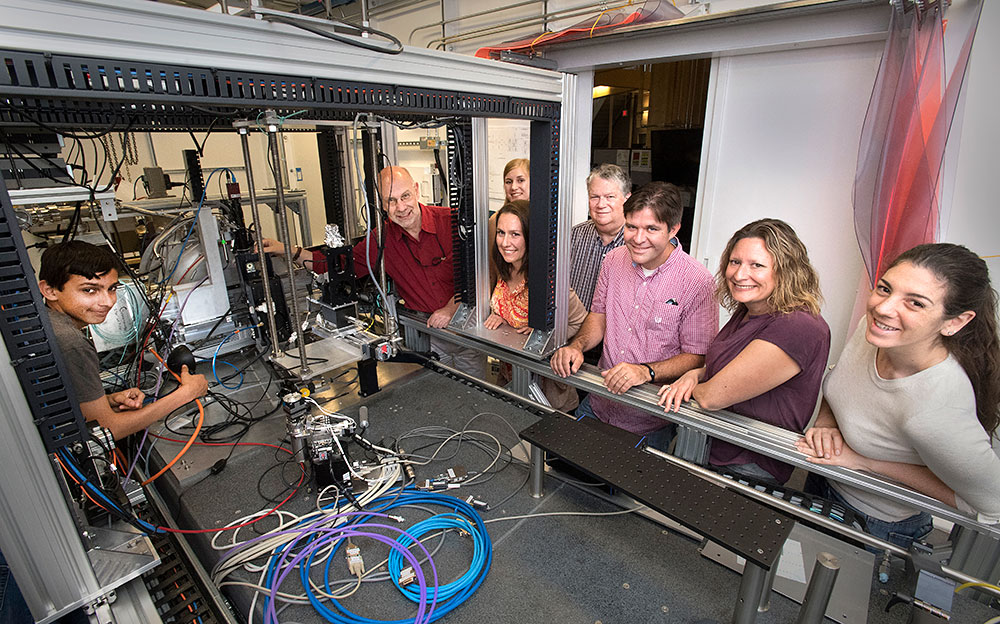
513,25
385,7
470,15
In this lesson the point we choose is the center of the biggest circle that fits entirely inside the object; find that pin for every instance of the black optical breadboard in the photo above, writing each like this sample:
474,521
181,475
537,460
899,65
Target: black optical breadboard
746,527
28,335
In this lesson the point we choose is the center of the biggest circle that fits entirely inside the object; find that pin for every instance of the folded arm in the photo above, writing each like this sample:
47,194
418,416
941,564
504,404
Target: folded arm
760,367
126,422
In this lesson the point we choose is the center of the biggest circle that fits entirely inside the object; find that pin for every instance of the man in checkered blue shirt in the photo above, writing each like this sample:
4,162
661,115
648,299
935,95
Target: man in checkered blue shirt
608,186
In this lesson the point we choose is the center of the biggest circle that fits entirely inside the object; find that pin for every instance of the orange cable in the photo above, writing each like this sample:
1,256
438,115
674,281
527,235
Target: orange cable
121,457
194,436
599,16
77,481
181,594
66,470
538,38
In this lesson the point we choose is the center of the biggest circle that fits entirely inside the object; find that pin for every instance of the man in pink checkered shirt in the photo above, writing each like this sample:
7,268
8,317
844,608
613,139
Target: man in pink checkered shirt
653,308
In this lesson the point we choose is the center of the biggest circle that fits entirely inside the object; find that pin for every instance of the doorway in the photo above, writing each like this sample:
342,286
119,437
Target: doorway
649,119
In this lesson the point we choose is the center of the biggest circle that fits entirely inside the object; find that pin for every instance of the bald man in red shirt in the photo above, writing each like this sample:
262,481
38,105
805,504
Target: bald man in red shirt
419,259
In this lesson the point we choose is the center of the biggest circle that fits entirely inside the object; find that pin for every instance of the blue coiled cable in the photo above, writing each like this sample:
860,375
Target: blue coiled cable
461,515
443,522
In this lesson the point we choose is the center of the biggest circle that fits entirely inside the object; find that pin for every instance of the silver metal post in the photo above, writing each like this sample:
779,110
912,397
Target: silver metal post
820,587
520,379
388,133
754,579
265,274
765,594
272,144
537,472
563,208
962,541
480,207
369,145
383,280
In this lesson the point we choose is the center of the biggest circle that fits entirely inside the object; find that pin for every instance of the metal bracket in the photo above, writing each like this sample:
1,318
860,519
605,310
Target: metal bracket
108,210
536,394
100,608
537,341
463,315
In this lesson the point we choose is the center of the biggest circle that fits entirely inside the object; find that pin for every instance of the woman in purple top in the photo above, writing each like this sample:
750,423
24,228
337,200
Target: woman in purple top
768,361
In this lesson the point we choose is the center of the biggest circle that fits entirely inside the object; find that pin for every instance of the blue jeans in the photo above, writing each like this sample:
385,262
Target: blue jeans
901,533
659,439
13,608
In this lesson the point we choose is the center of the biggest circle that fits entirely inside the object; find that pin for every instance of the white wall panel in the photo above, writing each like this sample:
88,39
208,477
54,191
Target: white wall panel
781,141
402,19
302,159
970,198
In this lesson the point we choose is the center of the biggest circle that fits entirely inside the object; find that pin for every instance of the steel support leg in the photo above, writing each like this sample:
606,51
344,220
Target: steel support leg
820,587
537,472
754,579
278,165
765,595
521,377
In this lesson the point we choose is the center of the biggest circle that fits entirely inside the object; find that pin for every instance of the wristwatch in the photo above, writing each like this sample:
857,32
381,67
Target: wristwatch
652,373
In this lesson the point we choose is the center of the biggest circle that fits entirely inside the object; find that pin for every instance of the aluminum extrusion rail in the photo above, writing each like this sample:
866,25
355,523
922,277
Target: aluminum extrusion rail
167,36
809,516
710,476
745,432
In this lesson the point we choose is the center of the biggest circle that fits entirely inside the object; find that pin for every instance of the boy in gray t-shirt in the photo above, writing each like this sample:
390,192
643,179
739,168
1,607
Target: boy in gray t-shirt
79,282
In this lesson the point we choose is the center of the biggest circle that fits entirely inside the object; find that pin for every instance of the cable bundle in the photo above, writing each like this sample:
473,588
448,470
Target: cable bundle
446,597
304,544
244,554
98,496
454,593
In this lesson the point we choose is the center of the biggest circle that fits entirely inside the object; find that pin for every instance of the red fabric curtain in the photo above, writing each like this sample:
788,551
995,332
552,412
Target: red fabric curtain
897,184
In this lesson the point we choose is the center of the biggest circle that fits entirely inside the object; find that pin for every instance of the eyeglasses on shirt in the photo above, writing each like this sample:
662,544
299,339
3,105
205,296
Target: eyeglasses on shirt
436,260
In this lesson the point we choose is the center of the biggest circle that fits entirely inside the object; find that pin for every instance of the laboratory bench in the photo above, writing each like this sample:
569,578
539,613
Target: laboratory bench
591,561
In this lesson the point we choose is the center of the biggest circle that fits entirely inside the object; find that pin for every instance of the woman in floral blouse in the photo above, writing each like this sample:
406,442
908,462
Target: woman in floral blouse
509,303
